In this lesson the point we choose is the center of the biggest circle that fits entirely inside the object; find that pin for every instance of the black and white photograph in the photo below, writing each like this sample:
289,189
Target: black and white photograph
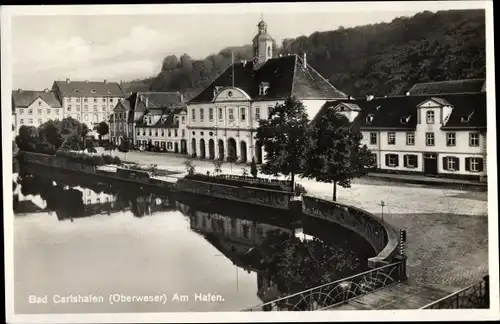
329,161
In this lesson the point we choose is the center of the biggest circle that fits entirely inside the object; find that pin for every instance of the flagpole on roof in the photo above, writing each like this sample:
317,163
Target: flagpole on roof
232,64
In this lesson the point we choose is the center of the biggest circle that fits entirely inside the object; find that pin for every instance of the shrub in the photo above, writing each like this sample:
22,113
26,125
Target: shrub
299,189
117,160
253,168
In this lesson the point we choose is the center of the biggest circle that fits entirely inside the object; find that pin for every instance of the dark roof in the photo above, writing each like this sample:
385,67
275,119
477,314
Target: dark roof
166,120
148,100
285,75
448,87
24,98
87,89
400,112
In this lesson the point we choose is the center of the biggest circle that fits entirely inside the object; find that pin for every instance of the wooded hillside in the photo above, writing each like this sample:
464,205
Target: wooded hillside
385,58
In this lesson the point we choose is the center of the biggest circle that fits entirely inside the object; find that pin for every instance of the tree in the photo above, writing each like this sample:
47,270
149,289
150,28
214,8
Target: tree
285,137
124,147
244,172
335,154
253,168
102,129
188,164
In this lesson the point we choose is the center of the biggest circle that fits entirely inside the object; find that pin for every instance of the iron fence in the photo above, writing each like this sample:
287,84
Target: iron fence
473,296
338,292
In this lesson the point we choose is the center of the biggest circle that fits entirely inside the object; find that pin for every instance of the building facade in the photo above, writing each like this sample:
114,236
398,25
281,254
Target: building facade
151,112
33,108
223,118
436,135
89,102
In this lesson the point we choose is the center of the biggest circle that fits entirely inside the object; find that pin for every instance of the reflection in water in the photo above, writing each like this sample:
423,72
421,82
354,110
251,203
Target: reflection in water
236,232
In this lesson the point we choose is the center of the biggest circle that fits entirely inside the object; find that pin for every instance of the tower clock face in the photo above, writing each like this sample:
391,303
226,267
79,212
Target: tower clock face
255,60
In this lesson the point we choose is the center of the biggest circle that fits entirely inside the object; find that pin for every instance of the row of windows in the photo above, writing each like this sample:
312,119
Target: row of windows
161,144
160,132
450,163
451,139
68,99
220,114
86,107
39,111
149,119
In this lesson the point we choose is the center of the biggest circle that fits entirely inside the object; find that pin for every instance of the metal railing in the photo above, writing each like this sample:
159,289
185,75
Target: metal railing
473,296
338,292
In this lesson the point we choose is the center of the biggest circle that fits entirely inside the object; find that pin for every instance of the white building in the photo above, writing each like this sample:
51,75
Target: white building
33,108
89,102
223,118
437,135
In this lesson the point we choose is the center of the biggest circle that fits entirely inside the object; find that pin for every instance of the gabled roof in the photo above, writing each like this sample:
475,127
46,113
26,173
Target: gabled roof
286,76
24,98
469,111
167,117
448,87
87,89
148,100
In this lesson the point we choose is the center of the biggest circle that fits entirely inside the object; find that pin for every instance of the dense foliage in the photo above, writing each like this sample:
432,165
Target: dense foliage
336,154
380,58
284,136
102,129
89,159
295,265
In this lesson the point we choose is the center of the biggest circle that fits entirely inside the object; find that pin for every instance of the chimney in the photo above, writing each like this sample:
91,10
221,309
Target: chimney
86,81
46,90
305,60
105,81
146,102
19,90
67,80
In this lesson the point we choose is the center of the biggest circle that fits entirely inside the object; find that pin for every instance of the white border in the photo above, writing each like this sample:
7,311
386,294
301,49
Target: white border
250,8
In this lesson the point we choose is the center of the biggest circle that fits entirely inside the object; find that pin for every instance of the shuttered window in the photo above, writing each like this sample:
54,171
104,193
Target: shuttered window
451,163
474,164
392,160
410,161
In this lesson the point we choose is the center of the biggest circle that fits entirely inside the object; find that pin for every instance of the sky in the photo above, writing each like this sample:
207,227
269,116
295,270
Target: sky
129,42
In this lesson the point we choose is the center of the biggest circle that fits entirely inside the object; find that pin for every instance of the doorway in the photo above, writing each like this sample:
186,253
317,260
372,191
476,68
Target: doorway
430,164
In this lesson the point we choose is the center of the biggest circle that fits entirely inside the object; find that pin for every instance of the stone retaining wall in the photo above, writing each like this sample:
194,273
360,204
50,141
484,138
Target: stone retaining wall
383,237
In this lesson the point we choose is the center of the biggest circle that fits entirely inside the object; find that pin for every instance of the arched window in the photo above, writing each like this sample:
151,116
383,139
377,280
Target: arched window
269,51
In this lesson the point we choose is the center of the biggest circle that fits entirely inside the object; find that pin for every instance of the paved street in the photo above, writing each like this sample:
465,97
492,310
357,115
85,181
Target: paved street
447,229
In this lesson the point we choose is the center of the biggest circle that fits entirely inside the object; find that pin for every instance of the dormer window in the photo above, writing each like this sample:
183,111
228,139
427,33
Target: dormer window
93,91
405,120
263,88
109,91
369,119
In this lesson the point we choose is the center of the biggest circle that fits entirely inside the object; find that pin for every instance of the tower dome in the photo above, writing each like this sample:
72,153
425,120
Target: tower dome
262,44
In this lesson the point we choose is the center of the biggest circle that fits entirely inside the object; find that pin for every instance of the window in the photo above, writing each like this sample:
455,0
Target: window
270,110
243,113
39,111
230,114
211,114
39,103
143,132
30,111
473,139
86,116
410,138
175,132
156,132
110,99
39,121
391,138
48,111
474,164
85,100
183,133
183,119
451,163
57,111
21,121
410,161
257,113
169,133
138,131
103,107
88,202
430,117
220,114
150,132
429,139
95,100
77,99
193,114
103,99
373,138
373,160
68,99
391,160
120,127
162,132
31,120
169,145
21,111
451,139
69,107
78,107
201,114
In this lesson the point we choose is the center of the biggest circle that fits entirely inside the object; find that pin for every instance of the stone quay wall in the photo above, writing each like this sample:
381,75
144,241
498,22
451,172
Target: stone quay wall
383,237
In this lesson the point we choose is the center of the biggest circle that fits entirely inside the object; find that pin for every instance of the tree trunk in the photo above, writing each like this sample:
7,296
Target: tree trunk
293,181
335,191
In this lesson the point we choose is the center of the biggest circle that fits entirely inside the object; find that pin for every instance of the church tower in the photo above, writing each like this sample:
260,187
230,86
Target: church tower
262,45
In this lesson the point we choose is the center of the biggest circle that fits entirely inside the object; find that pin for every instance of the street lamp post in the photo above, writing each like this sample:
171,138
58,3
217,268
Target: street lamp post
382,204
